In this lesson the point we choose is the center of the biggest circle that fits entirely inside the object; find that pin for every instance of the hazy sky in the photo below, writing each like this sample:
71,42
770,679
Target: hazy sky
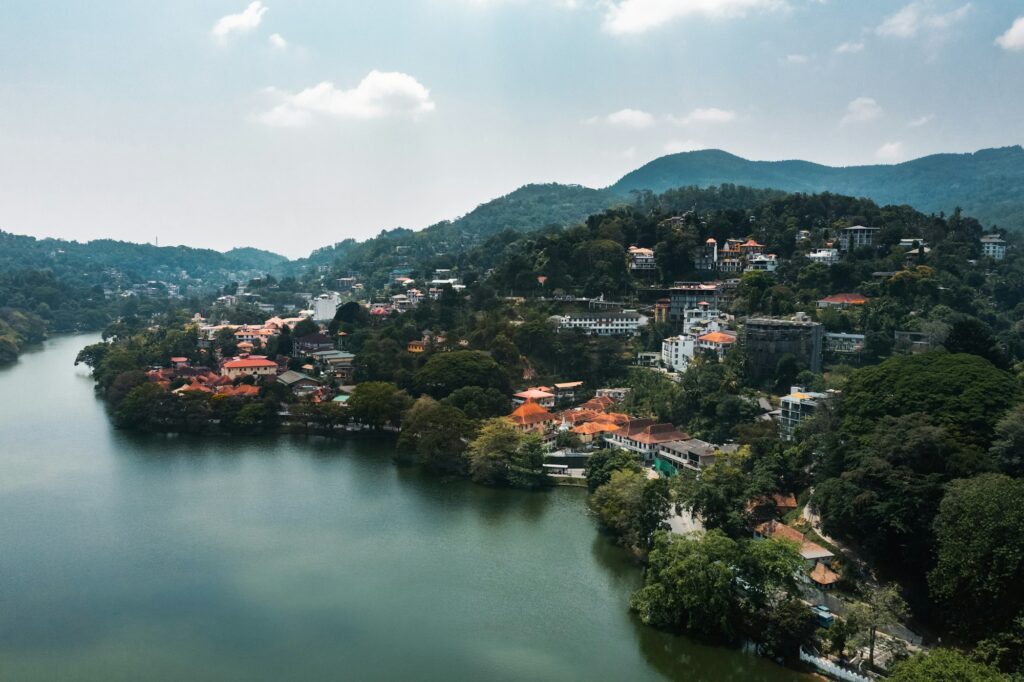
290,124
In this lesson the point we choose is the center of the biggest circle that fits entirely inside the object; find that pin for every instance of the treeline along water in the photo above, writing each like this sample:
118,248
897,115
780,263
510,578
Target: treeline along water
162,558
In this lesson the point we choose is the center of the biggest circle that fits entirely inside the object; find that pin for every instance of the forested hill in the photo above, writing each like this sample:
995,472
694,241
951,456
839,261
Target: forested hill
988,184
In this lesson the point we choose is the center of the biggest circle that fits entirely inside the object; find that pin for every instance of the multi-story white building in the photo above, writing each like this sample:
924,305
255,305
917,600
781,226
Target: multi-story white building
993,246
603,323
796,407
325,306
677,351
762,262
857,236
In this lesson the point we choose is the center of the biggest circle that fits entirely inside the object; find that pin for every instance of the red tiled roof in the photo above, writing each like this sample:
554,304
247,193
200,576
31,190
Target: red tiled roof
717,337
249,363
847,299
530,413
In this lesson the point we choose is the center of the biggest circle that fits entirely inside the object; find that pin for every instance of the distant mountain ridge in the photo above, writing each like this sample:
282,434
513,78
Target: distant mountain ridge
987,184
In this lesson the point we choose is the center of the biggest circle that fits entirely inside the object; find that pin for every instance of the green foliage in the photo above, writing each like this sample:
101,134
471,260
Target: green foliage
944,665
501,455
606,461
445,373
883,607
479,403
719,496
437,433
1008,447
980,555
632,507
378,404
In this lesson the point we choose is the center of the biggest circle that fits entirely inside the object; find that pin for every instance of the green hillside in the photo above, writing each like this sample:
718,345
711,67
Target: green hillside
988,184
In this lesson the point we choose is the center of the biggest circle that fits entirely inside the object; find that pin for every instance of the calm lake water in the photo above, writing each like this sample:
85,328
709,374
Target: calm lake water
131,558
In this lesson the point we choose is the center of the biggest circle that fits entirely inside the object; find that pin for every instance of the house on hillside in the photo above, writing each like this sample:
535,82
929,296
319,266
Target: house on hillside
693,454
842,301
811,552
310,343
251,366
298,383
645,437
537,395
530,416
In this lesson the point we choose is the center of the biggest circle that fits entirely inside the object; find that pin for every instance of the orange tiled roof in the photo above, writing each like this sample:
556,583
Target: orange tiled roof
717,337
530,413
823,575
534,394
848,299
590,428
249,363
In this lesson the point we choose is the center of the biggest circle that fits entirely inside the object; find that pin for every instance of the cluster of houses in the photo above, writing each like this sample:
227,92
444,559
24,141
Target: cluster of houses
735,256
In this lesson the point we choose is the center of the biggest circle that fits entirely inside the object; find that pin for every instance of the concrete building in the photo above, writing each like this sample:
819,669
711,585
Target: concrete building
325,306
856,237
693,454
604,323
717,342
824,256
993,246
762,262
251,366
844,344
641,259
677,351
689,295
796,407
768,340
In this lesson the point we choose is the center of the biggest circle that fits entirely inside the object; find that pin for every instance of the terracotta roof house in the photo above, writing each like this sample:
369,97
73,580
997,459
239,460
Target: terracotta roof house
812,552
240,391
823,576
645,437
531,416
535,395
415,347
590,430
842,301
251,366
599,403
718,342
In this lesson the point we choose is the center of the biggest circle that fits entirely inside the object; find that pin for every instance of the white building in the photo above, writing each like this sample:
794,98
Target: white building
796,407
325,306
762,262
677,351
856,237
993,246
603,323
824,256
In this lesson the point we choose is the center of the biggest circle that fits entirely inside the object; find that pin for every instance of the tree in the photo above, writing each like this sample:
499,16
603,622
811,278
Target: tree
944,665
479,403
606,461
437,433
788,626
305,327
444,373
492,451
526,470
689,585
377,403
970,335
1008,448
632,507
719,496
980,554
883,607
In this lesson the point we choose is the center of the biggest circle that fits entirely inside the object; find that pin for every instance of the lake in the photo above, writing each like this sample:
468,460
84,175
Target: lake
163,558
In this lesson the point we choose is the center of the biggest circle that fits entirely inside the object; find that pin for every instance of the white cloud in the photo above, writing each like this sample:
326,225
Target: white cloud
378,95
705,115
918,17
624,17
625,118
1013,39
861,110
677,146
890,151
850,47
243,22
797,59
921,121
278,41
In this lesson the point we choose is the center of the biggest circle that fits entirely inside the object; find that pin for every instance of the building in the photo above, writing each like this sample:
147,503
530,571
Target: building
993,246
312,343
811,552
661,310
824,256
566,391
532,417
641,259
689,295
677,351
604,323
762,262
616,394
415,347
693,454
718,342
645,437
768,340
796,407
856,237
842,301
844,344
535,395
325,306
701,319
298,383
336,362
251,366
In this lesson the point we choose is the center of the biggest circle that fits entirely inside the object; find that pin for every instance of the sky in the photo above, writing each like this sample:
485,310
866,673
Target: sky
292,124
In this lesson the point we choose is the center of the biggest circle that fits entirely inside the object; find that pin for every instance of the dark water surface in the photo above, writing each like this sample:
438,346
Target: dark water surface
133,558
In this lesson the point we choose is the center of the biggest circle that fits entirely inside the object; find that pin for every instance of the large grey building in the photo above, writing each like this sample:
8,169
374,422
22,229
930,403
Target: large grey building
767,340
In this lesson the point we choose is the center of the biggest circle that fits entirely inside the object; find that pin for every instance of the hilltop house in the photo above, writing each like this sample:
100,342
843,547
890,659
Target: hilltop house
645,437
251,366
531,416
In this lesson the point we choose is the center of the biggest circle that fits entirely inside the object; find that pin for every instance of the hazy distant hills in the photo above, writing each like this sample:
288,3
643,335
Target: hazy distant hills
988,184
